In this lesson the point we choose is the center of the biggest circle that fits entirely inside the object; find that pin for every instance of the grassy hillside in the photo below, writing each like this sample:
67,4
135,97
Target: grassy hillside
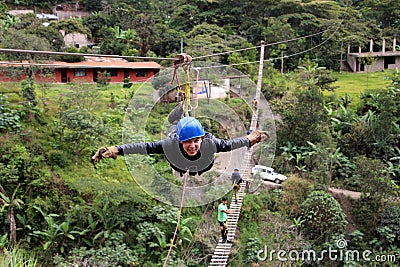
354,84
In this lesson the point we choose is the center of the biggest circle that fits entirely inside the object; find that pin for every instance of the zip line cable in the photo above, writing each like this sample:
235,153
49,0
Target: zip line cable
10,50
258,46
269,59
287,56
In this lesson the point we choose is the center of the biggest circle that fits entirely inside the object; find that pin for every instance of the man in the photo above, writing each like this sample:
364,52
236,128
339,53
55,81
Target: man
236,181
254,103
188,147
222,219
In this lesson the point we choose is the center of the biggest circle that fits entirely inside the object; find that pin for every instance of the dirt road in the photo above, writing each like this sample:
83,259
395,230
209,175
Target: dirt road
347,193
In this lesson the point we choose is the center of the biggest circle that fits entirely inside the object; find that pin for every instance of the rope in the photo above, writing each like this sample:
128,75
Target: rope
183,60
179,218
196,101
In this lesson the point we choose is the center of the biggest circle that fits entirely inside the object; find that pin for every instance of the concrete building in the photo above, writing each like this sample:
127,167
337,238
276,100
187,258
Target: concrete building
382,60
75,39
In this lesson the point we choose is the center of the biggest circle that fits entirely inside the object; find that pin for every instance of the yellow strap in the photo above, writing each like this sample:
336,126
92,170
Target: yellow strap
186,101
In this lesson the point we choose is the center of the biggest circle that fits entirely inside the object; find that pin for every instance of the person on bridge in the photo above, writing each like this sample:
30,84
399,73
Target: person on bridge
188,148
254,103
222,219
236,181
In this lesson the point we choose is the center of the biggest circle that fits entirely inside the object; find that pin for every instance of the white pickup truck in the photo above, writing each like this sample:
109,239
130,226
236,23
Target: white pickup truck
267,173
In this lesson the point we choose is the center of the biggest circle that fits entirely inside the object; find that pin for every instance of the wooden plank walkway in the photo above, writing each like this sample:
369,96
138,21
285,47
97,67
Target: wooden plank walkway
222,250
221,253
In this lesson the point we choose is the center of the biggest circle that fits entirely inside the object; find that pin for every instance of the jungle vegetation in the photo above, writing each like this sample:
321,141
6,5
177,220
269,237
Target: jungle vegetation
57,210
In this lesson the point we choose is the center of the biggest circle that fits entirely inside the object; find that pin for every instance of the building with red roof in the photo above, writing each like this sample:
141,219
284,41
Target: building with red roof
90,70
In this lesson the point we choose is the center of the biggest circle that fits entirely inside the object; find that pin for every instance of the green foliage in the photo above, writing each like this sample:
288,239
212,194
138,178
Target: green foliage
113,253
294,193
69,58
300,116
69,26
380,109
18,256
9,118
264,232
28,92
323,217
120,27
127,83
103,80
252,247
374,181
207,39
81,129
57,158
15,166
390,219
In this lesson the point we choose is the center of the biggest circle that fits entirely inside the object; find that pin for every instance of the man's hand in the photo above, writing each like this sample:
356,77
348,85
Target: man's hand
105,152
257,136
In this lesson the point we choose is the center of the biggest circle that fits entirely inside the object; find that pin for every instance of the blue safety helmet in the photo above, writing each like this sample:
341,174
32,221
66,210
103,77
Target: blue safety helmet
236,169
189,128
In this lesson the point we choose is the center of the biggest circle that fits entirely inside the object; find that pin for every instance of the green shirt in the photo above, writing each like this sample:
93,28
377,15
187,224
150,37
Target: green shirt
222,216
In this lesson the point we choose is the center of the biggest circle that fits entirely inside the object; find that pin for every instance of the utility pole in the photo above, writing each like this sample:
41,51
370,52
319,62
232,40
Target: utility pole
260,72
181,45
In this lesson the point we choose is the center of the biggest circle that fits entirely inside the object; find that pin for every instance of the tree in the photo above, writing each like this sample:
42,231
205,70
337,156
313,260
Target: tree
95,22
374,181
184,17
79,125
367,62
206,39
294,192
109,44
93,5
11,204
81,129
383,13
69,26
29,24
18,39
28,91
323,217
168,40
123,15
144,25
